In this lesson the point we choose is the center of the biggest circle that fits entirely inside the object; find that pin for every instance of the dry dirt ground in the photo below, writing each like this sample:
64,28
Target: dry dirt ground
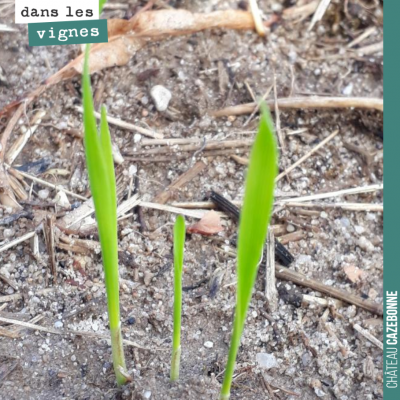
308,358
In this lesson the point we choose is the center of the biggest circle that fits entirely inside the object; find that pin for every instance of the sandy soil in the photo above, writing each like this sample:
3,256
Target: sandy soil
309,358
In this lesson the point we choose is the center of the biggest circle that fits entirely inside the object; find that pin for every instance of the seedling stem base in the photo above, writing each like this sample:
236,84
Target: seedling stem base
176,358
118,356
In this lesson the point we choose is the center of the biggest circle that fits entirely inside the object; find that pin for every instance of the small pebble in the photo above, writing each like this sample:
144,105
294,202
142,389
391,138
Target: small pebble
61,199
319,392
148,276
73,358
43,194
372,294
62,125
306,359
277,8
371,217
348,90
58,324
292,56
8,233
359,229
117,156
266,360
132,170
365,244
345,222
290,228
208,345
161,97
147,394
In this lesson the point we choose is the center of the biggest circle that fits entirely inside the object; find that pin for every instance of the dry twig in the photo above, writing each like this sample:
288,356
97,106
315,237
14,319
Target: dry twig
368,336
303,103
182,180
258,105
20,143
300,12
211,145
292,237
270,288
9,282
344,192
19,296
126,125
184,156
17,241
319,13
321,301
260,28
162,207
325,325
343,206
368,32
240,160
95,335
45,183
300,279
305,157
48,229
7,333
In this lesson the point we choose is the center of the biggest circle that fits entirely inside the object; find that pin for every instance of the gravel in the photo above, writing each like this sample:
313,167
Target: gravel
161,97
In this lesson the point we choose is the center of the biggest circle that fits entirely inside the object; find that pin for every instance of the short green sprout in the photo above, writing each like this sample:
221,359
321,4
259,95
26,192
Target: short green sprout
253,226
102,183
179,244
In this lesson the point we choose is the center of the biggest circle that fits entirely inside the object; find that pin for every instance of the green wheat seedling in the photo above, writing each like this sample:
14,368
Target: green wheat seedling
179,244
102,183
254,220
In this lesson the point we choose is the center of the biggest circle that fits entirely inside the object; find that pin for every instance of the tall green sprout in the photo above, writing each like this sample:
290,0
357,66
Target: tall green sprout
179,243
102,183
253,226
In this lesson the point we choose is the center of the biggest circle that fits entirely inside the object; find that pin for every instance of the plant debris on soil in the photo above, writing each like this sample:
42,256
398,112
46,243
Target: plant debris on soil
171,149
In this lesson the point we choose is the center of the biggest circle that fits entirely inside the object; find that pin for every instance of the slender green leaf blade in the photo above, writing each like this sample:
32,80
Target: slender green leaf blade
89,120
106,204
256,211
254,220
106,146
179,244
102,184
